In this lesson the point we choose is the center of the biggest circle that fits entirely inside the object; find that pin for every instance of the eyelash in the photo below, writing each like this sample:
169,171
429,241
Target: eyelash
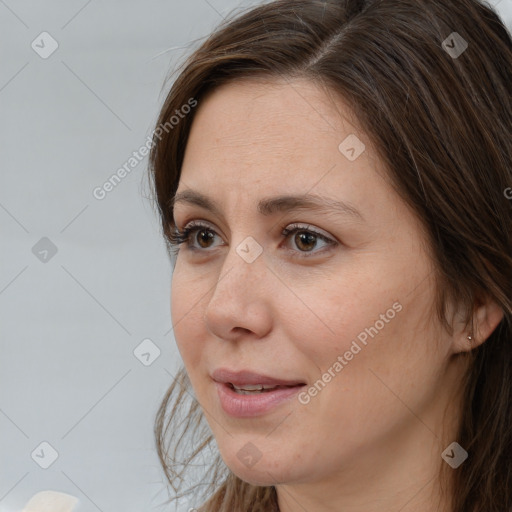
183,237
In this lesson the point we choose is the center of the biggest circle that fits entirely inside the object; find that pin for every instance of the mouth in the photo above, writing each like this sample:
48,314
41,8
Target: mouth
258,388
247,394
248,380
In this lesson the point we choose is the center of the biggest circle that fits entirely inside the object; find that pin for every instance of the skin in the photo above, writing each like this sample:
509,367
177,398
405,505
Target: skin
372,438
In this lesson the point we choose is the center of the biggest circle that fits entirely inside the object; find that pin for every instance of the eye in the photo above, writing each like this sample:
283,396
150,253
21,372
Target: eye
183,237
305,238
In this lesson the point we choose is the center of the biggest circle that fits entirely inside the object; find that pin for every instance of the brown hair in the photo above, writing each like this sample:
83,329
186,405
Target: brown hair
442,124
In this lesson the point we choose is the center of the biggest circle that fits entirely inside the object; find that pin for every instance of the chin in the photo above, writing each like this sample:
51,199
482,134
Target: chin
263,473
257,477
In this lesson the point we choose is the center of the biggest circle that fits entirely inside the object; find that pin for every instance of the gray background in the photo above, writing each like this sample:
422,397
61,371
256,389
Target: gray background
71,321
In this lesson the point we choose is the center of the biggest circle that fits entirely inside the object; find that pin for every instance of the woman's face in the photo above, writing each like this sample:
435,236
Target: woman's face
346,315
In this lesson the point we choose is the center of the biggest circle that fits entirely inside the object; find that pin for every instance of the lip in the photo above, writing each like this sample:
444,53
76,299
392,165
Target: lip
248,406
257,404
241,377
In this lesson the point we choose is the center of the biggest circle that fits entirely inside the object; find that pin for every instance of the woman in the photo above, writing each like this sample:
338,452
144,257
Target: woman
334,196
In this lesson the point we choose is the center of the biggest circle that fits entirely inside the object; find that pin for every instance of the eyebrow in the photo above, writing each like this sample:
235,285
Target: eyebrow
272,205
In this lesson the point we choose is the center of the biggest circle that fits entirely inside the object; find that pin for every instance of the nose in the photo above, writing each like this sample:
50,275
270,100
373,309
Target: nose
241,300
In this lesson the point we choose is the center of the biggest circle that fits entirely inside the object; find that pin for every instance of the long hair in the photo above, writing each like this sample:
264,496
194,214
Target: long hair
430,82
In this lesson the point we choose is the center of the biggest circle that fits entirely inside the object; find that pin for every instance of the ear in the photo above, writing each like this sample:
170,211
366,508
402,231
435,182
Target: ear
487,315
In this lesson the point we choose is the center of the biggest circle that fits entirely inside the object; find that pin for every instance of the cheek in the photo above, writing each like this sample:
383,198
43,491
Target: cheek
371,312
186,315
346,321
378,356
373,339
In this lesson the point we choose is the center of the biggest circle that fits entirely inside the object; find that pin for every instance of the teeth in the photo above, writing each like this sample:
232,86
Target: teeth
252,388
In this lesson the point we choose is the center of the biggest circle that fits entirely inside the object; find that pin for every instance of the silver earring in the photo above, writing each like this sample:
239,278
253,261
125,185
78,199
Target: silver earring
470,338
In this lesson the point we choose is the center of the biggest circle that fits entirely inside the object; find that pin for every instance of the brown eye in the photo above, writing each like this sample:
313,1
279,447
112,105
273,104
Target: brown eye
194,233
305,240
203,236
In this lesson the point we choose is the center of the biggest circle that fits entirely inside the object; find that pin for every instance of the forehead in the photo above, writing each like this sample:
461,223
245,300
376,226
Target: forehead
255,131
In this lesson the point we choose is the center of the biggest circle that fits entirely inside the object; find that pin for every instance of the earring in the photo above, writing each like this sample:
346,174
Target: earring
470,338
